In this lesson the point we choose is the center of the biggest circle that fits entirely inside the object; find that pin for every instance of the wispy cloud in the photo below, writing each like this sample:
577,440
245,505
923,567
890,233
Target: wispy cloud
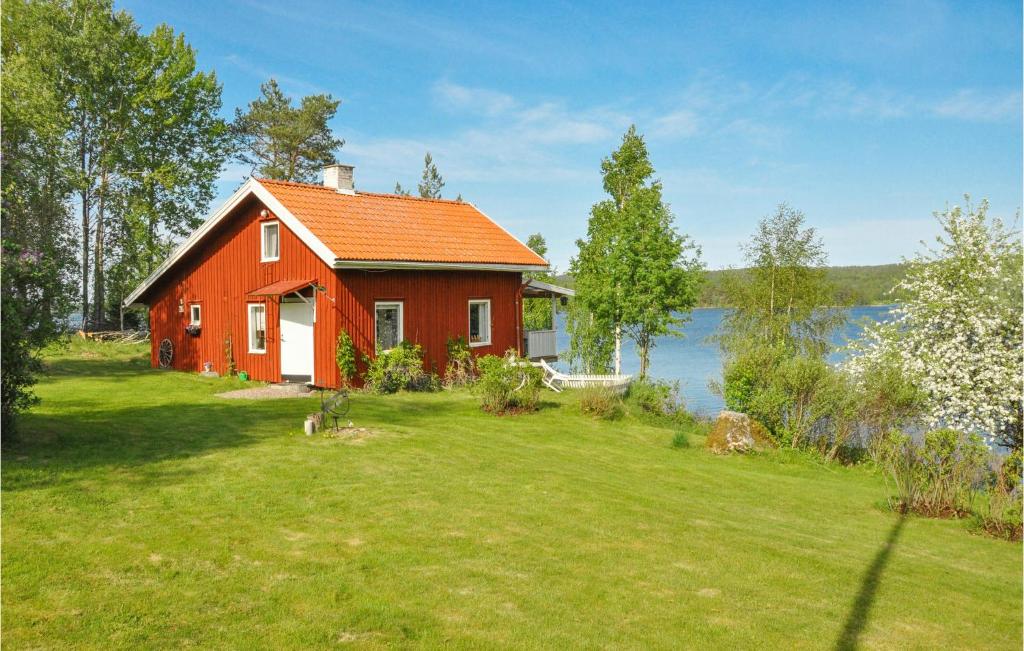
289,83
681,123
978,106
458,97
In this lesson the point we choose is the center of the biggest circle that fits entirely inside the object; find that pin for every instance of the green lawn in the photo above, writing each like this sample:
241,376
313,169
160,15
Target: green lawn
141,511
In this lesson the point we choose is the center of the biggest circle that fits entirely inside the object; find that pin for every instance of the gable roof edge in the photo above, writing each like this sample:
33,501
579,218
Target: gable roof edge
547,265
251,187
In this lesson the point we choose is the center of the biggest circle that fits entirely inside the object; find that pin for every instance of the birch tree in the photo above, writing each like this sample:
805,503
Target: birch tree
635,275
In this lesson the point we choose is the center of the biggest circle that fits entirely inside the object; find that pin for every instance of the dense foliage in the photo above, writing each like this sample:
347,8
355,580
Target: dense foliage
957,336
398,369
106,121
281,141
634,273
345,358
508,384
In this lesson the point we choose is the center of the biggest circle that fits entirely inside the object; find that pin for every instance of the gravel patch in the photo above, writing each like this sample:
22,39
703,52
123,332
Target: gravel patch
264,393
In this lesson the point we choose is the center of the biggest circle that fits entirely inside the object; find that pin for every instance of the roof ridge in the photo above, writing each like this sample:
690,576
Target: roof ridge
391,195
383,195
317,186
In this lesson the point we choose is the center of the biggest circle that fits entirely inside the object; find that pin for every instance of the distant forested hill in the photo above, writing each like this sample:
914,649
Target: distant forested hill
868,285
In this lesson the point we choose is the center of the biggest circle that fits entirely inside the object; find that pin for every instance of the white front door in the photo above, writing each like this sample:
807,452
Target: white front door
297,341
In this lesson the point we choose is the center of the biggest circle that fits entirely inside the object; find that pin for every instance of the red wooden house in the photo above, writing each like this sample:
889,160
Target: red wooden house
282,267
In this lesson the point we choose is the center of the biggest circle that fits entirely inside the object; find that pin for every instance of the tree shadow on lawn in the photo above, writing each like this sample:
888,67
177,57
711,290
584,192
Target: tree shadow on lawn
858,616
61,447
55,449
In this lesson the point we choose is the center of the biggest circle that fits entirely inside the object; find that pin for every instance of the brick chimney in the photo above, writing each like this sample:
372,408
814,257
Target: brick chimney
340,177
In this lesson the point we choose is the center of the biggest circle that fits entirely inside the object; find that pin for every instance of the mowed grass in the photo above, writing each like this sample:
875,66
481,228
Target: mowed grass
141,511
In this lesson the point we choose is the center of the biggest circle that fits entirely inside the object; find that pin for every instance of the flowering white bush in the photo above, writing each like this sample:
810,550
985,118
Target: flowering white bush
957,336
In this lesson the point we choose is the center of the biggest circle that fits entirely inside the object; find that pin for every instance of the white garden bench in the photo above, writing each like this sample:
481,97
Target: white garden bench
556,380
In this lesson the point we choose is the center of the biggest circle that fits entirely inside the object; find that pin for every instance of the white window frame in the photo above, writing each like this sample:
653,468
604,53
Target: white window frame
250,331
195,314
263,241
401,321
469,321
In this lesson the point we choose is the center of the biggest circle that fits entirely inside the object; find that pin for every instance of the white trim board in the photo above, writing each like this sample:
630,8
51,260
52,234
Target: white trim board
457,266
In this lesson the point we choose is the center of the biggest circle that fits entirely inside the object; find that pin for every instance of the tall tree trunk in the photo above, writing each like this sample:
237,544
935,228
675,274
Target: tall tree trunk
99,293
150,228
618,349
644,348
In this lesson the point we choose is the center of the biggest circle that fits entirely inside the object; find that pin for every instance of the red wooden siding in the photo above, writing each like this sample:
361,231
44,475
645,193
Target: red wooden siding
220,272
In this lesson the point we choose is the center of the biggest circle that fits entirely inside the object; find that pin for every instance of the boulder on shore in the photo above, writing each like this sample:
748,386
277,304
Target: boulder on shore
736,432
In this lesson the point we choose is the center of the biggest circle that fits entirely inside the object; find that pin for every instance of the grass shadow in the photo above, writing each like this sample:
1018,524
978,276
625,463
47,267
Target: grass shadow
858,616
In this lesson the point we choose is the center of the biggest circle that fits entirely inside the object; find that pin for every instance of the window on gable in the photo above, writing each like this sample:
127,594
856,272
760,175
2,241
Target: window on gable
388,324
257,328
194,314
270,241
480,322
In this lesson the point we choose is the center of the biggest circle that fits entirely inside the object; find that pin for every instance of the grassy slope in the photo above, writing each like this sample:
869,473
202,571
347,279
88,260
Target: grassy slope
143,511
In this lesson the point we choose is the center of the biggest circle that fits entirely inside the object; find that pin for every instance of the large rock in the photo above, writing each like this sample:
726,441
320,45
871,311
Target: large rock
736,432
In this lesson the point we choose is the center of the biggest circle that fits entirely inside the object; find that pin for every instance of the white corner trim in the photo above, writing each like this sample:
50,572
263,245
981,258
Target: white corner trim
250,187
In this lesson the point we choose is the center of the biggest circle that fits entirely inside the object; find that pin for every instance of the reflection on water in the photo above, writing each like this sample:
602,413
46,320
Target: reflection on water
694,360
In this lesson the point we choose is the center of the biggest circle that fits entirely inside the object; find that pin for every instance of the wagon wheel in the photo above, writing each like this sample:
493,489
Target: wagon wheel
166,353
334,407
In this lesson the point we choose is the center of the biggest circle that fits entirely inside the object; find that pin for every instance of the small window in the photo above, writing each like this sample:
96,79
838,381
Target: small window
388,325
270,241
480,323
257,328
194,314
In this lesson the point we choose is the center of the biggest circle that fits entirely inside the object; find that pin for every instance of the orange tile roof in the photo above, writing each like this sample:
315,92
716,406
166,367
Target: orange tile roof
394,228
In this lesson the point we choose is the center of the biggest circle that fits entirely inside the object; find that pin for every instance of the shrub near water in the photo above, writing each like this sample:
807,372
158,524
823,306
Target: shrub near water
398,369
1001,514
600,402
508,384
939,477
658,398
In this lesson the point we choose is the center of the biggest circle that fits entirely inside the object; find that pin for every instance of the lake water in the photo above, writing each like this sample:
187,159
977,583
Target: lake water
694,360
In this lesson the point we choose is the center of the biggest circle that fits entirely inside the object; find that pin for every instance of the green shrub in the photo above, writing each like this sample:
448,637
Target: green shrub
345,357
600,402
508,384
681,440
658,399
938,477
461,369
1000,514
398,369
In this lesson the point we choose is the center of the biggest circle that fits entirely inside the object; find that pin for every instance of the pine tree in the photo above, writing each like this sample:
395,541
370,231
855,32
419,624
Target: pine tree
284,142
399,190
431,183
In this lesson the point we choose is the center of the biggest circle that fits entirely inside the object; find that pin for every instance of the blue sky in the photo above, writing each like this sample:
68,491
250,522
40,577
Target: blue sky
867,117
